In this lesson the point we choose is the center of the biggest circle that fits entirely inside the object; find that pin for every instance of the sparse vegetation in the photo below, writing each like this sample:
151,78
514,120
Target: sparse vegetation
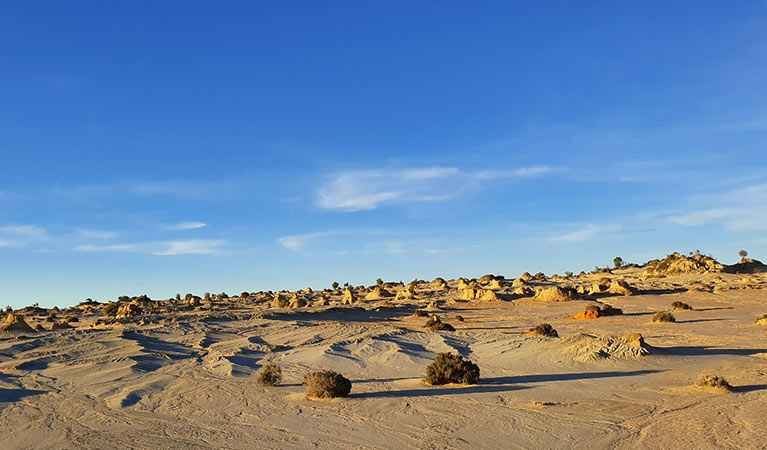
379,281
713,381
618,262
663,316
451,368
110,309
742,254
326,384
680,305
459,317
334,285
270,375
434,324
544,329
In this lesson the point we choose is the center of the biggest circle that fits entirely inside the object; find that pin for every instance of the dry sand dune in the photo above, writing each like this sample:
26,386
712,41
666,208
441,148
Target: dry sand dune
176,375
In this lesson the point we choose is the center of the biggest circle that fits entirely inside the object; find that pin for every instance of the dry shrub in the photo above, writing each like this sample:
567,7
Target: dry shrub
451,368
544,329
459,317
270,375
680,305
608,310
434,324
327,384
713,381
663,316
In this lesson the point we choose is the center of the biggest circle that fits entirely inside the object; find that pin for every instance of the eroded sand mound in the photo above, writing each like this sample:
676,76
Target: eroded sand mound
378,293
587,347
554,294
15,323
676,263
746,266
479,294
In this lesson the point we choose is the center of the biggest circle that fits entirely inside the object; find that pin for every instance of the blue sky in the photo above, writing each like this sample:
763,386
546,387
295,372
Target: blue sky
194,146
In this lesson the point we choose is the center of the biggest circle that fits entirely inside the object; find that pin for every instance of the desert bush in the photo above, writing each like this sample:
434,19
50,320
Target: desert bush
269,375
327,384
434,324
617,262
110,309
459,317
592,308
713,381
334,285
680,305
545,329
69,319
608,310
379,281
420,313
451,368
663,316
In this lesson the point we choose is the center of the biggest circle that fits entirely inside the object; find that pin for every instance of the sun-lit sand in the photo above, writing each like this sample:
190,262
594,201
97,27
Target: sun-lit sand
182,373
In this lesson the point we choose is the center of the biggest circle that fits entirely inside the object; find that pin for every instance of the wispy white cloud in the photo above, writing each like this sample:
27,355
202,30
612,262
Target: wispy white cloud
368,189
187,226
298,242
591,231
584,234
739,209
95,234
162,248
109,248
20,235
193,247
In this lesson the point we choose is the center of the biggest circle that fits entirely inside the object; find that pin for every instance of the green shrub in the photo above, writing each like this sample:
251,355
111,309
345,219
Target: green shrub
451,368
663,316
326,384
269,375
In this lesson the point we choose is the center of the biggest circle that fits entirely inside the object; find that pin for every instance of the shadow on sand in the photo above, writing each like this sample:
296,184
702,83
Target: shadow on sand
346,314
707,351
14,395
497,384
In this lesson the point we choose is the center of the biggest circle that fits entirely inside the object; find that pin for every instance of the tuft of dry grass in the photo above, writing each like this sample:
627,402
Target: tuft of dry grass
451,368
663,316
434,324
680,305
270,375
544,329
326,384
713,381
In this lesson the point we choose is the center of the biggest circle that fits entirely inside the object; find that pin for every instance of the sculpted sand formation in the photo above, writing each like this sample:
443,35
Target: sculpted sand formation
504,356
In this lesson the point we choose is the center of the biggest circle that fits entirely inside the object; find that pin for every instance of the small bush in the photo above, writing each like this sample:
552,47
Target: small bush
110,309
420,313
327,384
451,368
713,381
680,305
592,308
608,310
545,329
663,316
270,375
434,324
459,317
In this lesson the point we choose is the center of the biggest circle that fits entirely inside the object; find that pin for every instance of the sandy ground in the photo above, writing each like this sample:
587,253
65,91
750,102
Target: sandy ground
191,383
